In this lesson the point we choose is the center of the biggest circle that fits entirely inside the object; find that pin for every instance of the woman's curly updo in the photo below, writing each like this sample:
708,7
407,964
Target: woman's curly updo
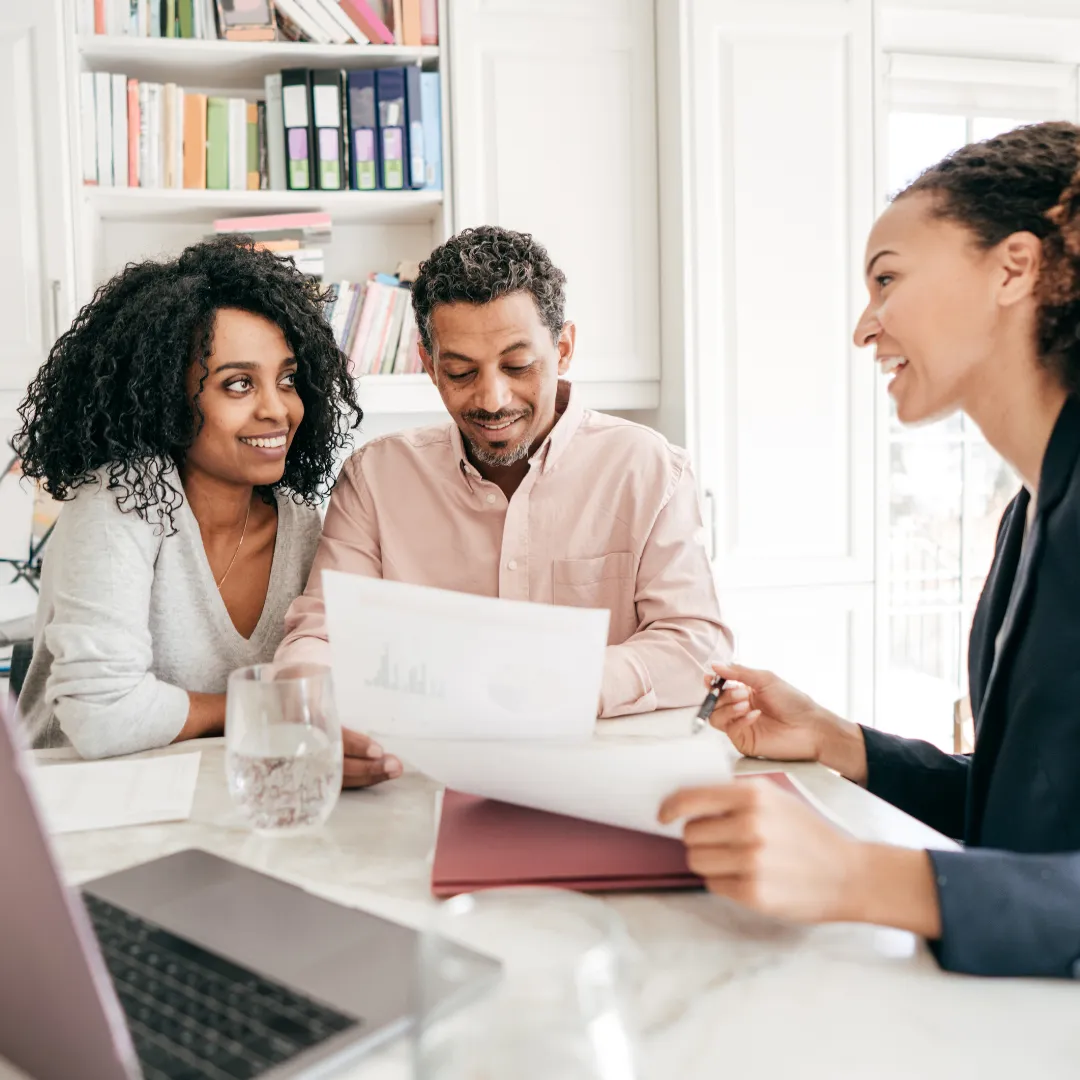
1027,180
112,394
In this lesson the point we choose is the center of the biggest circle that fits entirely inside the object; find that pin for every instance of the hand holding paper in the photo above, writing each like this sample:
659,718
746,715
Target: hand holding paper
610,781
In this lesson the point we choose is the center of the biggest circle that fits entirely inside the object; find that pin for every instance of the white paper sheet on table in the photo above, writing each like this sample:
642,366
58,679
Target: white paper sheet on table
607,780
107,794
416,661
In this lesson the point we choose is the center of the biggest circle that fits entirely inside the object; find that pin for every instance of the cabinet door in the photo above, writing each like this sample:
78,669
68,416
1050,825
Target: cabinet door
35,218
782,177
553,111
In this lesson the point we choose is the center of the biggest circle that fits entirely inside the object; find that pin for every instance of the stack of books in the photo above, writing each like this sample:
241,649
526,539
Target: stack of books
289,236
340,22
363,130
375,326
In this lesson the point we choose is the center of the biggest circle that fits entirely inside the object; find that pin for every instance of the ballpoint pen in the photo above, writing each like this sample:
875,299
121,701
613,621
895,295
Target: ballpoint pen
716,688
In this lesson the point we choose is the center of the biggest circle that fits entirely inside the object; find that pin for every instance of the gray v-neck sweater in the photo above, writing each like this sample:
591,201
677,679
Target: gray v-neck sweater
129,620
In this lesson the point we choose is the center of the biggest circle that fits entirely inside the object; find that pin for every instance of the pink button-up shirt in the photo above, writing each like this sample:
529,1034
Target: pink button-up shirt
607,516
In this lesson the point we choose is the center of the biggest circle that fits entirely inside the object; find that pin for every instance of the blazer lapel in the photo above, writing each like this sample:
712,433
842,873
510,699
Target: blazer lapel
1057,470
990,611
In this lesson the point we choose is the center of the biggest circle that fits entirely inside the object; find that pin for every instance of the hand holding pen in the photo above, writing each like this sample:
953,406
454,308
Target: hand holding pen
763,715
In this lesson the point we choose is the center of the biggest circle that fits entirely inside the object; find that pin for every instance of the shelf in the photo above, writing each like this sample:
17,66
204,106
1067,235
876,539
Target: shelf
196,205
403,394
230,65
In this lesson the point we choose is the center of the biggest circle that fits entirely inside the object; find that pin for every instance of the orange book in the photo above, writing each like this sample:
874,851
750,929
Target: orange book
411,33
252,146
134,117
99,16
194,140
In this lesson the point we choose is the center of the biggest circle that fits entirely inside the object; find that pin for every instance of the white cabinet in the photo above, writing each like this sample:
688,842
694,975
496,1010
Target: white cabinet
782,200
554,133
35,218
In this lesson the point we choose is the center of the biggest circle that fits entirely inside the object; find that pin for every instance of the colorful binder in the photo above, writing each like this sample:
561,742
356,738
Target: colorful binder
414,114
299,129
327,116
431,94
393,138
363,131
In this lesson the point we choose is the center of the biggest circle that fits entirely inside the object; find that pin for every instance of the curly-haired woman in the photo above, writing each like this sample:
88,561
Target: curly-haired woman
190,417
974,281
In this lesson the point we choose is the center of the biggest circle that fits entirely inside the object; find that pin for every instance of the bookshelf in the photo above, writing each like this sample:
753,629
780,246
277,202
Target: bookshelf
499,166
372,231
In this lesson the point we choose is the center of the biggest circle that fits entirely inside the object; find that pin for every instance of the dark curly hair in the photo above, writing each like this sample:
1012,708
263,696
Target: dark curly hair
1027,180
479,265
112,394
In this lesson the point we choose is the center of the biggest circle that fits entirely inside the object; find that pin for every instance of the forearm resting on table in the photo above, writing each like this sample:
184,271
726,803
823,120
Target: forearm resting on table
206,716
893,886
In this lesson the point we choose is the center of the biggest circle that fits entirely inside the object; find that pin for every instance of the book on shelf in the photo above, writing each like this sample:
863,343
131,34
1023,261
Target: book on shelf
411,23
374,325
289,236
310,130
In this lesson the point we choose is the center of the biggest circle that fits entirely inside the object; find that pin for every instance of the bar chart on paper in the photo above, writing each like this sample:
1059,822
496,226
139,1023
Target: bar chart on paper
416,661
415,680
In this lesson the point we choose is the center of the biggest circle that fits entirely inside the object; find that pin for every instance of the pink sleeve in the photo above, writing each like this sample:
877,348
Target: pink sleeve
680,630
350,543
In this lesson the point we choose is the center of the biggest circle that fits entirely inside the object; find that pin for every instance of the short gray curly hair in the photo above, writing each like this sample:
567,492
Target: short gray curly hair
480,265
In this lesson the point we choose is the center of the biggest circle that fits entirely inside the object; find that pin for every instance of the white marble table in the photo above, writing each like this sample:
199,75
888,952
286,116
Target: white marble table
726,993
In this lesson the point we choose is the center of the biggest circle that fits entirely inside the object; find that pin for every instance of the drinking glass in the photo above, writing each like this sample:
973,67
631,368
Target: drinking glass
283,753
559,1007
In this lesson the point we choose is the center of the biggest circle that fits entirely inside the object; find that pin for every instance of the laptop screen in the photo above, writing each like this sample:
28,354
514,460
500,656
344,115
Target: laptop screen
59,1017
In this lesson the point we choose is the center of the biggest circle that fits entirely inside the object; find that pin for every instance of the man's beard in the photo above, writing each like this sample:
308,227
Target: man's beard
507,455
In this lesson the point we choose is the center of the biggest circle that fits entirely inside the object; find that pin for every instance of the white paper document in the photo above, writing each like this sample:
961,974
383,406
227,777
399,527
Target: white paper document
607,780
416,661
107,794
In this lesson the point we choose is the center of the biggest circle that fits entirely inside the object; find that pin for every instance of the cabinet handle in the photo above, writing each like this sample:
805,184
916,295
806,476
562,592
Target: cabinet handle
54,288
710,498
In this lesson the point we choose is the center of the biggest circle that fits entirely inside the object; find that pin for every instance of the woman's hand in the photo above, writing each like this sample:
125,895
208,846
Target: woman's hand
765,849
767,717
364,763
759,845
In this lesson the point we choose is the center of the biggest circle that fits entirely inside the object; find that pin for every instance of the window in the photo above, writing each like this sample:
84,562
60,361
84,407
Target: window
945,487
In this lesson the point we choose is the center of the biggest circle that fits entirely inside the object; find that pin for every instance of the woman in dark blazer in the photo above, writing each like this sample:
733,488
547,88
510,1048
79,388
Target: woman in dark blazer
974,281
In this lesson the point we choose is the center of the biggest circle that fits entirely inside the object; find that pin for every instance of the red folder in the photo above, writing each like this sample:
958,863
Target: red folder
485,844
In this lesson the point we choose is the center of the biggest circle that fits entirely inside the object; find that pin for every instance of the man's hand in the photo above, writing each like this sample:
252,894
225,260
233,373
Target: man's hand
365,763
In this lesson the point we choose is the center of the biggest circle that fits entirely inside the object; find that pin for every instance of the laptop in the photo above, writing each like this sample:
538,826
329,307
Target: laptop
189,967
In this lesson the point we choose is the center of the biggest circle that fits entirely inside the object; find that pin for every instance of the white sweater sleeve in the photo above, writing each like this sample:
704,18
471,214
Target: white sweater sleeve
100,686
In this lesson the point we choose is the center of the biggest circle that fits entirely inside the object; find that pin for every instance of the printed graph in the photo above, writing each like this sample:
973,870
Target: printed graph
415,680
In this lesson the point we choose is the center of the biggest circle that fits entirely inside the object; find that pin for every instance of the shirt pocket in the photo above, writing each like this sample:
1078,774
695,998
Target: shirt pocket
608,581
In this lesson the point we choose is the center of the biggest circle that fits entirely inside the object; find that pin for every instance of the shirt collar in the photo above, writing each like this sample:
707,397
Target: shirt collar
569,414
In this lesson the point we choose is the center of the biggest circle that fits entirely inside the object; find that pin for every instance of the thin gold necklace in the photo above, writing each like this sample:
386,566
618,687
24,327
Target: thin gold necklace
247,518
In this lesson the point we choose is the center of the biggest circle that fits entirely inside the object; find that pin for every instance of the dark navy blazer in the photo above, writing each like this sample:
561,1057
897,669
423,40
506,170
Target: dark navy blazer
1010,902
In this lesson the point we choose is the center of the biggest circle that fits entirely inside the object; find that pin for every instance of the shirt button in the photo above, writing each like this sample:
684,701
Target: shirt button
512,564
490,497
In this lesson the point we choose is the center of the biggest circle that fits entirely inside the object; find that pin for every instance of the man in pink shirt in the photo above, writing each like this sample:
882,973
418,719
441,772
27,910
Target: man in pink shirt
526,494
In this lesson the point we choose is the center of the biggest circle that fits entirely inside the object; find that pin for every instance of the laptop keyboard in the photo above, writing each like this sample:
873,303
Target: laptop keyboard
194,1014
